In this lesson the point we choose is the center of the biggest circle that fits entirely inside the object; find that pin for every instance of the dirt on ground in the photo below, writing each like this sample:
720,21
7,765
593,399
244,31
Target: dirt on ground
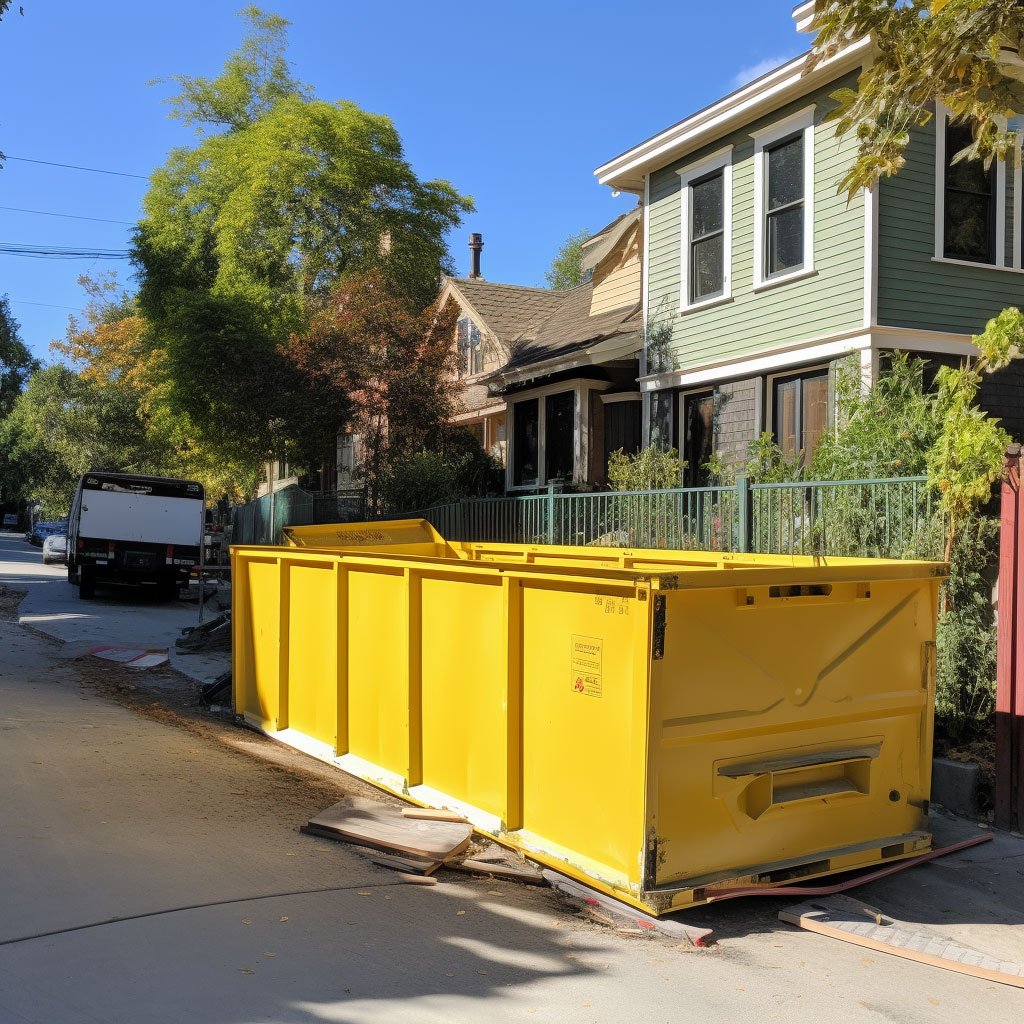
9,601
272,769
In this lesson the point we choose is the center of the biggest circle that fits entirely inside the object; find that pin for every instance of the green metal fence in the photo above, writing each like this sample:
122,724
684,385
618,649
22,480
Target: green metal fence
261,521
870,518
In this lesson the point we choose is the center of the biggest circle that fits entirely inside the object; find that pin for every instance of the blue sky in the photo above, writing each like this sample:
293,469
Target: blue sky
516,104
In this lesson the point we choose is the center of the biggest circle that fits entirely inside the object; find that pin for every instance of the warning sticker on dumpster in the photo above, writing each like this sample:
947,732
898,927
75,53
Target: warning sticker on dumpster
587,653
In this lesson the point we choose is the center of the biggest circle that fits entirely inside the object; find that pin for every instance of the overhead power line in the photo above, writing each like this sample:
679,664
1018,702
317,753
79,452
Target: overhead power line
75,167
60,252
50,305
72,216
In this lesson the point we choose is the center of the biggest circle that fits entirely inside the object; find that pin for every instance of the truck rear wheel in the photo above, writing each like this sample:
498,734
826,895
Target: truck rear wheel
87,583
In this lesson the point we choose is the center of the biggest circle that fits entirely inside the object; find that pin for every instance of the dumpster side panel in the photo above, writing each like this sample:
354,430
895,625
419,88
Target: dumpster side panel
585,651
464,690
378,677
312,661
257,677
787,724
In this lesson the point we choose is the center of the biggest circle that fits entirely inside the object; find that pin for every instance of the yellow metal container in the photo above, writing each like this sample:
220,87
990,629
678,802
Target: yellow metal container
662,725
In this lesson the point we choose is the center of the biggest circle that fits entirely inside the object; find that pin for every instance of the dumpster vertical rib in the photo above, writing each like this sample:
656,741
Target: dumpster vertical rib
512,598
414,675
284,596
341,744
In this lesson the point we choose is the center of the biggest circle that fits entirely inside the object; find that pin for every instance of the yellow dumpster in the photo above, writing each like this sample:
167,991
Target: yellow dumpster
661,725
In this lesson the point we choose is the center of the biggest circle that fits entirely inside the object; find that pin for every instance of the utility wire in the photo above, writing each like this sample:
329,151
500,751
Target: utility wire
51,305
75,167
72,216
60,252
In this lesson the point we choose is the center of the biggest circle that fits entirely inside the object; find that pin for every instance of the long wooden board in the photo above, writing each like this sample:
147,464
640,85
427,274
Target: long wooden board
850,920
384,827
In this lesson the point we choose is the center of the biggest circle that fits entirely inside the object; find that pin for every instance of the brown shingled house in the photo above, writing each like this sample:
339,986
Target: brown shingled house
551,376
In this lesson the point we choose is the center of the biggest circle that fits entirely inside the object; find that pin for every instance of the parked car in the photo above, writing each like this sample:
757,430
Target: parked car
55,549
46,528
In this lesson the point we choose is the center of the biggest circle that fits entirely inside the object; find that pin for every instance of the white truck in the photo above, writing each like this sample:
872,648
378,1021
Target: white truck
135,529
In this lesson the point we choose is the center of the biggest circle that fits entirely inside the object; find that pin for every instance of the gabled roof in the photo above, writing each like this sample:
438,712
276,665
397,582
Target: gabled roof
507,311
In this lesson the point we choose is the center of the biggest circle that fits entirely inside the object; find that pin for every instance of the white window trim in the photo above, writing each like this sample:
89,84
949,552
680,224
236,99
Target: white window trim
802,120
720,160
622,396
941,117
1018,183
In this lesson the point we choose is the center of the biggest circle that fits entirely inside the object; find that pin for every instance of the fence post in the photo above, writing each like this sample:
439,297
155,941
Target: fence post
1009,769
744,514
549,533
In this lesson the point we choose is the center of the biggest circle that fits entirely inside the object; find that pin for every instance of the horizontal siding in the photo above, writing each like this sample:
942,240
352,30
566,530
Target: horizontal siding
619,288
913,290
832,300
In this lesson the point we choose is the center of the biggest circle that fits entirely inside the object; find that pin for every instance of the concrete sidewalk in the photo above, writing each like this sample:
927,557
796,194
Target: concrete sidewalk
121,616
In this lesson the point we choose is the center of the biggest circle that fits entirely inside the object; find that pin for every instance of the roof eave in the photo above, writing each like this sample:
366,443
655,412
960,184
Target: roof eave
626,172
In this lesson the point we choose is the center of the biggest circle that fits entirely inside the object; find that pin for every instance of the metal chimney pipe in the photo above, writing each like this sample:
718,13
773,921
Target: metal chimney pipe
476,245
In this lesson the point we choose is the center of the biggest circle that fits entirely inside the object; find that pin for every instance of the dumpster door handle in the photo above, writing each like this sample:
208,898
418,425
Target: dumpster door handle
779,781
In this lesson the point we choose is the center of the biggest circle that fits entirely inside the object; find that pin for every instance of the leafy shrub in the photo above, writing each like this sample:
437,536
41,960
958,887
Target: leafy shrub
456,468
650,469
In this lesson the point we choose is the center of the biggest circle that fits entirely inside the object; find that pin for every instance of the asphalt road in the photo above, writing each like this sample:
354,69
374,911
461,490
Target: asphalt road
152,873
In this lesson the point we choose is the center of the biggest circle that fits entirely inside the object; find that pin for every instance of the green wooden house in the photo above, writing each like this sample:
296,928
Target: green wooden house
759,277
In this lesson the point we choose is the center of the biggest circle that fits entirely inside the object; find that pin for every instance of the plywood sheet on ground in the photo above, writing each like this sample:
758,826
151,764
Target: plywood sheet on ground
383,827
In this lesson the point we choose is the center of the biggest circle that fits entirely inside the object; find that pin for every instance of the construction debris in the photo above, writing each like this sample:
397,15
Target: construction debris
850,920
432,814
384,827
495,869
214,635
410,865
627,916
215,692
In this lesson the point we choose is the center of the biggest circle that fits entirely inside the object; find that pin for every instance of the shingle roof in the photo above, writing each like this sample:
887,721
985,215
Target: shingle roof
571,327
508,310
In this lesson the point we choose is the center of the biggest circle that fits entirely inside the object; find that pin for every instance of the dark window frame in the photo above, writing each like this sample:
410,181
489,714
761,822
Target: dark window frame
694,475
768,213
990,196
775,382
695,240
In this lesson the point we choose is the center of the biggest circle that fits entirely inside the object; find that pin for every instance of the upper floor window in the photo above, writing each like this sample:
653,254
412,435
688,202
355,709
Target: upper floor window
471,350
970,214
784,208
784,199
970,199
707,230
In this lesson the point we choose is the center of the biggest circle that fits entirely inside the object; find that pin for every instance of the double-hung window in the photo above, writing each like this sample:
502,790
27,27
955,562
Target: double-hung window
707,230
784,199
969,217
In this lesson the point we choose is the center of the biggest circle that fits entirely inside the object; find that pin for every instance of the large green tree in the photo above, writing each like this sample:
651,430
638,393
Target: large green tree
967,53
16,362
282,195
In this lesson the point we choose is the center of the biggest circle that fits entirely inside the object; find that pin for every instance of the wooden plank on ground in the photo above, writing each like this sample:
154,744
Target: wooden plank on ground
850,920
384,827
412,865
432,814
513,872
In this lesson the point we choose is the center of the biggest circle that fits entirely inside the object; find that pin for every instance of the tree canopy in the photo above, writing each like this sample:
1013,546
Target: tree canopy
969,54
241,235
16,362
566,270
